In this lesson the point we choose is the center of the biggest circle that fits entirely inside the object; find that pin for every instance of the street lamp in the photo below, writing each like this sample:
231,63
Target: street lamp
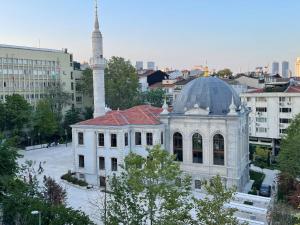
37,213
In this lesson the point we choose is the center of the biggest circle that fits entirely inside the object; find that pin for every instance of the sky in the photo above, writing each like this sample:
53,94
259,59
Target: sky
179,34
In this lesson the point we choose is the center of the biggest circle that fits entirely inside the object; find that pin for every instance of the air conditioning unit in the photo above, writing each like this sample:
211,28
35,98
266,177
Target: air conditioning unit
281,125
281,103
289,103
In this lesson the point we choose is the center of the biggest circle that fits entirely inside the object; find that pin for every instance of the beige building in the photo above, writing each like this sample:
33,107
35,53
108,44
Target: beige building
297,67
31,71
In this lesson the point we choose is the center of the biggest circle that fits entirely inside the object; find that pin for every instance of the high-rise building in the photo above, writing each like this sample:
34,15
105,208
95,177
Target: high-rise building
31,72
139,65
275,68
151,65
285,69
297,67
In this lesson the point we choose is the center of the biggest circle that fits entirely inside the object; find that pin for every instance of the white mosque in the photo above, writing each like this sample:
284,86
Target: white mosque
207,131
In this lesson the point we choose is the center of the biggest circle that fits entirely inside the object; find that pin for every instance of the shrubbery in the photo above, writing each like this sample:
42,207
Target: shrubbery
258,179
70,178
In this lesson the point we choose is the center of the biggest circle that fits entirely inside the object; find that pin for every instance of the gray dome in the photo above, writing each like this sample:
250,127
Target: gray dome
206,92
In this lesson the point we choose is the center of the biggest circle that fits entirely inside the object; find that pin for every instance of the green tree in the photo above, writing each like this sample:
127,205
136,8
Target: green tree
2,116
150,190
85,85
72,116
45,120
17,113
154,97
261,157
224,73
121,84
289,151
211,210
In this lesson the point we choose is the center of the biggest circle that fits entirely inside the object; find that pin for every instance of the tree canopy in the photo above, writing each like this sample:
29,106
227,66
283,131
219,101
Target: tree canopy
289,151
121,84
17,112
154,97
150,190
224,73
153,190
45,120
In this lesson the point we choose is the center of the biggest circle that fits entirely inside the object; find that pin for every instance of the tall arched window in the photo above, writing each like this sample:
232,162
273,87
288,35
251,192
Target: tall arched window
218,145
177,146
197,148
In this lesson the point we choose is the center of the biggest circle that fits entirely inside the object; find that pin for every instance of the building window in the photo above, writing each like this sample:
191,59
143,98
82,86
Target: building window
101,139
197,148
261,129
149,138
138,138
197,184
80,138
113,140
248,99
126,139
218,148
261,109
114,164
282,131
101,163
162,138
81,161
72,86
102,181
261,119
284,120
260,99
285,110
177,146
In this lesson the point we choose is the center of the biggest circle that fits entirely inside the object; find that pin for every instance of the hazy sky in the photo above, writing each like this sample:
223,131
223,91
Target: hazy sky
239,34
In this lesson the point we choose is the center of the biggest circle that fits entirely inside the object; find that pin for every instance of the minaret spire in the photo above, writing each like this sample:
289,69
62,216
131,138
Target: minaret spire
98,65
96,26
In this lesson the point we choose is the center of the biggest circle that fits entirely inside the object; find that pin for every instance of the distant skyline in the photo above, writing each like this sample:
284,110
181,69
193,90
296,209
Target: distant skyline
240,35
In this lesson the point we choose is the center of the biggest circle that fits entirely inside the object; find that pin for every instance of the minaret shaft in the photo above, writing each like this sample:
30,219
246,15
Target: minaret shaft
98,66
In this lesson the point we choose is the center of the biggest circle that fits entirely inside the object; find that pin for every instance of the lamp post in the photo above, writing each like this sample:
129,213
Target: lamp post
37,213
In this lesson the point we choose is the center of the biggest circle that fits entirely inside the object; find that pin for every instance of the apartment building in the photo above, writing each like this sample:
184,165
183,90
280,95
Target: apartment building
31,71
272,109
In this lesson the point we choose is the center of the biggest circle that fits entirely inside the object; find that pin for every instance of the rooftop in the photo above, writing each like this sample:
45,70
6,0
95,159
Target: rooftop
32,48
137,115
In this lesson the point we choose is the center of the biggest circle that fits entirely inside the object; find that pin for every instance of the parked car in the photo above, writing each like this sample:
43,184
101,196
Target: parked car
265,190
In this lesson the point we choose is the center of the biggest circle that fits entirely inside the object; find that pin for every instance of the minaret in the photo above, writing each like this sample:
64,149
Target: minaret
98,65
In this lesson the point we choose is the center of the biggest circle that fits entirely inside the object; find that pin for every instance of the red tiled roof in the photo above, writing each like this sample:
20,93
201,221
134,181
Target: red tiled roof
293,89
260,90
138,115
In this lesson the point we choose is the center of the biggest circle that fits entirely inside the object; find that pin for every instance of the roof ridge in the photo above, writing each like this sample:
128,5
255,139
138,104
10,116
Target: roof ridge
139,108
113,116
124,117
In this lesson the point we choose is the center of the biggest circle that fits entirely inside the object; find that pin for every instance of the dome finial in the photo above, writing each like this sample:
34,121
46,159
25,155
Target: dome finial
232,107
165,107
96,26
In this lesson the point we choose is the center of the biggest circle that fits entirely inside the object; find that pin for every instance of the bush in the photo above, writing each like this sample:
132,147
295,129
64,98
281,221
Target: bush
258,179
70,178
248,203
253,192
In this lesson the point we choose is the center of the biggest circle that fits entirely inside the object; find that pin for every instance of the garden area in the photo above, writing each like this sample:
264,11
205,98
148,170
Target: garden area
258,179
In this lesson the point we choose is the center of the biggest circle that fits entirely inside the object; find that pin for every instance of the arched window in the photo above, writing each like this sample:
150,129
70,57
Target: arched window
197,148
177,146
218,146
